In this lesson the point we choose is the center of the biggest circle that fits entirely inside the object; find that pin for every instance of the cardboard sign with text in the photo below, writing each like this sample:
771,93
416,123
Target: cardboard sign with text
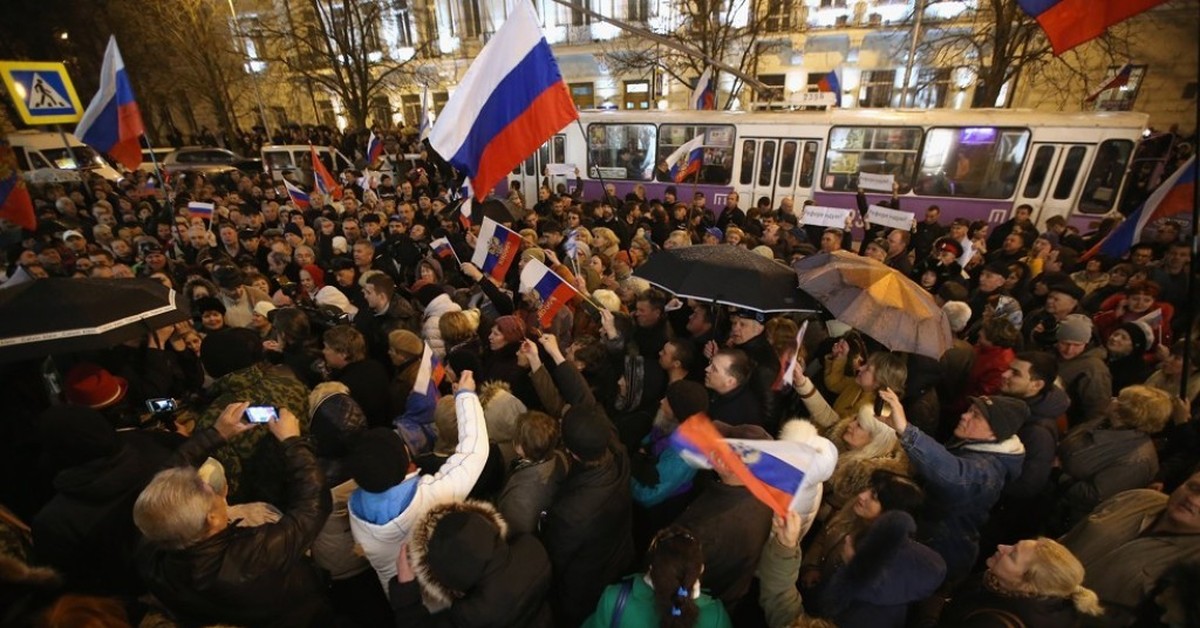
824,216
888,217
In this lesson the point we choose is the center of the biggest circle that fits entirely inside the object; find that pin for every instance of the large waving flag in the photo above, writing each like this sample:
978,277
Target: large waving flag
553,291
16,206
1120,79
1174,199
325,182
704,96
430,374
112,122
496,248
511,100
1069,23
771,470
299,197
374,148
687,159
831,83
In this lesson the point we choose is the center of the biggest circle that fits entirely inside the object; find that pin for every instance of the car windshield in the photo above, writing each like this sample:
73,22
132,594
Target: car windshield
80,157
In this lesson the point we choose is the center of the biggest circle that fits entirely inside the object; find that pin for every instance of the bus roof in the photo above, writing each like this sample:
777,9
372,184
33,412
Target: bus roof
884,117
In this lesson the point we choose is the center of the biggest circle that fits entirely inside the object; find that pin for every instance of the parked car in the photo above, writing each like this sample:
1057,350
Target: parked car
43,157
148,159
209,161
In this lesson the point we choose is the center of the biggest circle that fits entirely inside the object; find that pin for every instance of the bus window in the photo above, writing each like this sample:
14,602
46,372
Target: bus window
530,166
808,164
717,165
748,153
976,162
621,151
787,164
1100,189
1070,171
560,149
877,150
767,166
1037,174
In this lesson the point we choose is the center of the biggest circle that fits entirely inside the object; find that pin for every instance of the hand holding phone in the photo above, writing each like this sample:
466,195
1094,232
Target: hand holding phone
161,406
261,414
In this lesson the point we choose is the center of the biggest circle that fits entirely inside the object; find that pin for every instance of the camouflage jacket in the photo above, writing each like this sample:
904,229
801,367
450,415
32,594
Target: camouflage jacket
254,463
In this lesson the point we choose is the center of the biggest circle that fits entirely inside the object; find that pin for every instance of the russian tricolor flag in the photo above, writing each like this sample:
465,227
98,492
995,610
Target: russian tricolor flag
299,197
443,249
831,83
704,96
202,210
1173,200
430,374
511,100
496,248
687,159
553,291
1120,79
16,205
1069,23
770,469
112,123
374,148
325,182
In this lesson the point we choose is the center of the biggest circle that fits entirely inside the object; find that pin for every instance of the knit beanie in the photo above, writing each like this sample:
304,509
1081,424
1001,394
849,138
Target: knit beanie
463,360
511,327
231,349
1074,328
586,433
378,460
687,398
1004,414
407,342
1140,333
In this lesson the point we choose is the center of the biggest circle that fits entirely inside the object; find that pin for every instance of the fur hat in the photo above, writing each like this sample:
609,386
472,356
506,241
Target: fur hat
1074,328
500,410
408,343
1141,334
883,438
608,299
686,398
451,547
231,349
1069,288
1004,414
958,313
378,460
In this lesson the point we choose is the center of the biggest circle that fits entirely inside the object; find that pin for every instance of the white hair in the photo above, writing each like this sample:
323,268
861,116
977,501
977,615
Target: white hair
173,509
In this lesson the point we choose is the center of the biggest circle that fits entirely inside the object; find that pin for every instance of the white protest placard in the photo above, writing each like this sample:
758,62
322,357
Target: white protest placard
824,216
560,170
880,182
888,217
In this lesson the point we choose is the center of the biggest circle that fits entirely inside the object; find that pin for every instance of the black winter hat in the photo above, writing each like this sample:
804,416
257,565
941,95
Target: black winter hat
1004,414
586,433
335,421
208,304
74,435
231,349
378,460
687,398
1069,288
463,360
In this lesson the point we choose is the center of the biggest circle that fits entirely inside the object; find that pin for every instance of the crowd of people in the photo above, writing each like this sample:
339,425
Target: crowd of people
1041,472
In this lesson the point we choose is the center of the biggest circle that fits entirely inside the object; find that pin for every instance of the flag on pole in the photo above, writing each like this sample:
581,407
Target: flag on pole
687,159
511,100
444,250
771,470
16,205
831,83
553,291
299,197
1120,79
112,122
1068,23
426,115
430,374
496,249
465,208
374,148
324,181
704,96
1174,199
203,210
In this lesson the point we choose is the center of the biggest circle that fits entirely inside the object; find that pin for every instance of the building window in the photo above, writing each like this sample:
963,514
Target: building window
637,94
410,104
403,16
932,89
381,111
328,118
833,4
584,95
439,102
579,18
466,22
637,10
775,84
779,16
877,88
1121,97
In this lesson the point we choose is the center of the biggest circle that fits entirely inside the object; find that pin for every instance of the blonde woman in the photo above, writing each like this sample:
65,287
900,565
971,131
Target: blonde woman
1036,582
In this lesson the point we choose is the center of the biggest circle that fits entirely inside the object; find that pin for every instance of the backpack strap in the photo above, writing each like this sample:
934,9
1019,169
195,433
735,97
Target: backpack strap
622,600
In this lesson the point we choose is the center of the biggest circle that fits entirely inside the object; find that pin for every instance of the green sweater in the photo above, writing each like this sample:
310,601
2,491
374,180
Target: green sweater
640,612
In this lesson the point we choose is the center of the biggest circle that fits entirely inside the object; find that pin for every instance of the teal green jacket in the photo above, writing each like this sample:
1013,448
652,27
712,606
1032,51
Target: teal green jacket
640,611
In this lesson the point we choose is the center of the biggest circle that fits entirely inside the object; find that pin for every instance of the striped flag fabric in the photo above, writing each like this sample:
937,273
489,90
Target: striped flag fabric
687,159
1069,23
496,248
203,210
299,197
553,291
430,374
444,250
1120,79
16,205
511,100
112,122
374,148
831,83
1173,200
704,96
324,181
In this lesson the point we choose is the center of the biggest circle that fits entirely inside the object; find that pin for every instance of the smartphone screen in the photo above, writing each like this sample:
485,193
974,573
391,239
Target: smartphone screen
261,414
157,406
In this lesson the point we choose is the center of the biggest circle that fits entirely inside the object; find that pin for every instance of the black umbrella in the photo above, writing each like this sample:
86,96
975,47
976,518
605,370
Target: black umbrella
726,274
49,316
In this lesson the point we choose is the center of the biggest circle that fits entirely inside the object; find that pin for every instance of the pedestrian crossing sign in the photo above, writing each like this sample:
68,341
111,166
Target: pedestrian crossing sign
41,91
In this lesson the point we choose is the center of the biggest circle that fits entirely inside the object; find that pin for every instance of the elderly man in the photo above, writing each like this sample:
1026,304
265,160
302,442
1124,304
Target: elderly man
1083,372
208,572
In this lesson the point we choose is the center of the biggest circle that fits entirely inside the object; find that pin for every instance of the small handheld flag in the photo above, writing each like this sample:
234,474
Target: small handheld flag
374,148
444,250
299,197
430,374
687,159
203,210
553,291
426,116
1120,79
831,83
793,364
496,249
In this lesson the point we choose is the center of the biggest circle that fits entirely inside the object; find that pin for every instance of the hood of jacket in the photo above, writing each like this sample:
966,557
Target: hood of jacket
431,569
1050,404
441,304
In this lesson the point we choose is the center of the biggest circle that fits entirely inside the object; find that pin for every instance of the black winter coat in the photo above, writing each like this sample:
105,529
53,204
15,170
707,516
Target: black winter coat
732,526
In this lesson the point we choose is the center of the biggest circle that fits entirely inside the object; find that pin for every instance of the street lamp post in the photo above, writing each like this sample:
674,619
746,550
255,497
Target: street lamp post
237,28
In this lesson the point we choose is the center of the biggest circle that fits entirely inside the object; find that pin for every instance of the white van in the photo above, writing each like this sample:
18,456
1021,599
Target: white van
295,160
43,158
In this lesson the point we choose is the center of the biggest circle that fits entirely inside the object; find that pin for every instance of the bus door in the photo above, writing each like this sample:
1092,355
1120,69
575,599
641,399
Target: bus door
531,172
1052,182
775,168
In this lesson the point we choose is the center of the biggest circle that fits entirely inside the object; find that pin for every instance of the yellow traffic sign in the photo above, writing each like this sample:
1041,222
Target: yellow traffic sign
42,91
